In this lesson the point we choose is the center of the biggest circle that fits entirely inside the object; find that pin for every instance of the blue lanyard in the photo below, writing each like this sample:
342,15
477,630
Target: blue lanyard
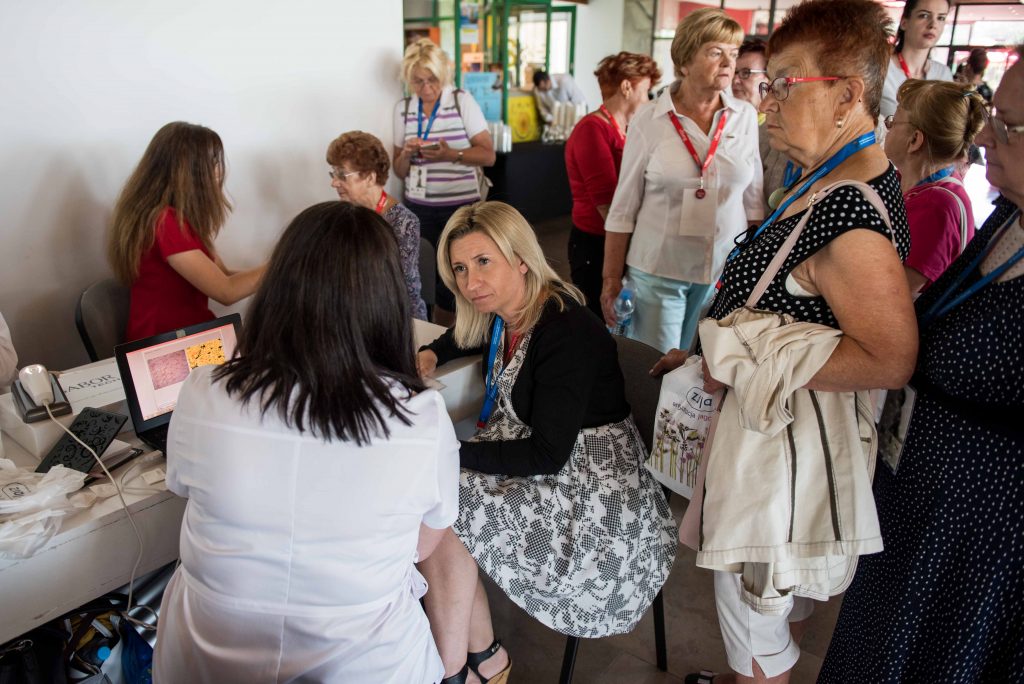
940,308
791,175
420,133
847,150
491,384
937,176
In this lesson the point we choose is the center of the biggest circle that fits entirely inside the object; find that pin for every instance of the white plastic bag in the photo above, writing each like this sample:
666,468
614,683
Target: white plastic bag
681,427
33,504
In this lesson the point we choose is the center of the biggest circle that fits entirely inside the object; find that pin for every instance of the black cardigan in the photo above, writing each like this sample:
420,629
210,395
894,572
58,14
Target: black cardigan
570,379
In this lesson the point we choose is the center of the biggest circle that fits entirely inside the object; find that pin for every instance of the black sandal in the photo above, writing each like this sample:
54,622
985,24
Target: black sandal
475,660
459,677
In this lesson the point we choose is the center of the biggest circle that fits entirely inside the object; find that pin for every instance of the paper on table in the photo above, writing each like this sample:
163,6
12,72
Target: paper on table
97,386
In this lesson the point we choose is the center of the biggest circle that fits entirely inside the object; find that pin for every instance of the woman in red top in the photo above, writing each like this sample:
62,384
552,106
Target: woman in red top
593,154
162,232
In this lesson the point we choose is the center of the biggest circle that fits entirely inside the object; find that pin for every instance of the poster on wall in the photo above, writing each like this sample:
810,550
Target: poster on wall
481,87
469,20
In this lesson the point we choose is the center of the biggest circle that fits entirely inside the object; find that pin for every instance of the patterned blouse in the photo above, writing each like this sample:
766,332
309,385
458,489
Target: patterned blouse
407,232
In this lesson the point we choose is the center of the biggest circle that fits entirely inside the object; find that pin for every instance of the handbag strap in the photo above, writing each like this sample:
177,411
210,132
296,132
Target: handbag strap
780,256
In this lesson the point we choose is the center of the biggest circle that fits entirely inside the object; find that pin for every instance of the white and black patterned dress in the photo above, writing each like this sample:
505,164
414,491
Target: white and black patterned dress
944,602
583,551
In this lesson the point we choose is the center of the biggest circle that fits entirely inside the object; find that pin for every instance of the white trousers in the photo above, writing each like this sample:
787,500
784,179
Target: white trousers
750,636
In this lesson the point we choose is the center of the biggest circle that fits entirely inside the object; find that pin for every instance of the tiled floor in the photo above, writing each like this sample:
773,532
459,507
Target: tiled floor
694,641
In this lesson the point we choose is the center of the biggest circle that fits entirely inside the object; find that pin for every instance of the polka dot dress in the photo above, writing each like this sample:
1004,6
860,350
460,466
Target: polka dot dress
944,602
844,209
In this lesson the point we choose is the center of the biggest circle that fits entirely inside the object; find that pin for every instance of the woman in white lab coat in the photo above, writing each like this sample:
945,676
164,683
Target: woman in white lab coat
318,470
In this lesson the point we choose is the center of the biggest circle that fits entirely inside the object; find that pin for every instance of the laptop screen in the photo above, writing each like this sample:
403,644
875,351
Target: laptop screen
153,369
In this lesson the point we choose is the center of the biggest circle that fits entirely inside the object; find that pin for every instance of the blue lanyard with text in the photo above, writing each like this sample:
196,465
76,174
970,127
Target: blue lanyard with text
937,176
420,133
940,308
491,383
847,150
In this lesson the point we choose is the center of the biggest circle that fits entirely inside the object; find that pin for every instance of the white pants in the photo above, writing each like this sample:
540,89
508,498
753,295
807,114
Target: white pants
750,636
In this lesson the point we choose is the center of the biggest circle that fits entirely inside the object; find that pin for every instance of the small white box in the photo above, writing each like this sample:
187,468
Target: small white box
35,438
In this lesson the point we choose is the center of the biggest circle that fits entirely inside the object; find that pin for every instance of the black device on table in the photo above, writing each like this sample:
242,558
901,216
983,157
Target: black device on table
153,370
94,427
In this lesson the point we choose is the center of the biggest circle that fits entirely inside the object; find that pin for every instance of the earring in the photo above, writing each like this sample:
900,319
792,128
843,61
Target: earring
839,123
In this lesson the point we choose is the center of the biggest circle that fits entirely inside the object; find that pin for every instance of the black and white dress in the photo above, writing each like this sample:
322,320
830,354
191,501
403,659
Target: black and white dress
584,550
944,602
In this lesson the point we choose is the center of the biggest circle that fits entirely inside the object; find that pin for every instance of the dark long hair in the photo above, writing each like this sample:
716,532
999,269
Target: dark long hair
179,169
328,337
908,9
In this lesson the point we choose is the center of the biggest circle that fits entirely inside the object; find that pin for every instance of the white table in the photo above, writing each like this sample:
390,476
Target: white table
95,549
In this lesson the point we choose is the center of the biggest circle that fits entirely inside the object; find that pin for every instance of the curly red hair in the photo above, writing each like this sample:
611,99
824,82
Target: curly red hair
364,153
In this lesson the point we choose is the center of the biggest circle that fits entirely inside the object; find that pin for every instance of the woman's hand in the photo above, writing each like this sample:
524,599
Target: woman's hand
673,359
426,363
610,289
710,384
442,153
411,148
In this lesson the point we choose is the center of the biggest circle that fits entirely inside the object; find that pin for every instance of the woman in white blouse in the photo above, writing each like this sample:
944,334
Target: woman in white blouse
318,470
690,183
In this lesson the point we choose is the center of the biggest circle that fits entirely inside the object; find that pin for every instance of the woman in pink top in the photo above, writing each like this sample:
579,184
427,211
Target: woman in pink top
930,133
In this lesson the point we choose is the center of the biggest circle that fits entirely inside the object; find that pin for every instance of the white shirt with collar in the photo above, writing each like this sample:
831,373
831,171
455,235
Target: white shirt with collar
894,78
656,168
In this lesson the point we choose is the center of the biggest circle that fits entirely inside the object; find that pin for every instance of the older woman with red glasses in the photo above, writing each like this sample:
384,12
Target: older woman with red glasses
844,273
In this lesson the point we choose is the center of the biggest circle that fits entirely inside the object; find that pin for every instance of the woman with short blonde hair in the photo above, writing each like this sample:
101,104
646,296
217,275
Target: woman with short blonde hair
441,142
557,458
690,183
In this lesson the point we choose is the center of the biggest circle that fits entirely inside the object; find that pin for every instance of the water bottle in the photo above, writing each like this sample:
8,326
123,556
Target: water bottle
624,306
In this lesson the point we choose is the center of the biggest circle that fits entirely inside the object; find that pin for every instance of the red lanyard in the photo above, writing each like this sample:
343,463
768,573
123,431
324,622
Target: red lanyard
903,64
511,347
703,166
613,122
381,202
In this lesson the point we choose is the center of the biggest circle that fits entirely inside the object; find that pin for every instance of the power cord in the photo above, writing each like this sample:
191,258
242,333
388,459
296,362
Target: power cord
124,504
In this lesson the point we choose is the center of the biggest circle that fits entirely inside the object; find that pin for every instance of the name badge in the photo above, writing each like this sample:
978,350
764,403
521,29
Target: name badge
416,183
700,205
894,425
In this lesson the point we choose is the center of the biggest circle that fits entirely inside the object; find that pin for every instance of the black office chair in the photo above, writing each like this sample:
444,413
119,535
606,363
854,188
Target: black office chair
428,274
642,391
101,317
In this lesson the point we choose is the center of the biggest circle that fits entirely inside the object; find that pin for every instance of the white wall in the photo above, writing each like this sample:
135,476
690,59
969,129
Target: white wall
598,34
88,82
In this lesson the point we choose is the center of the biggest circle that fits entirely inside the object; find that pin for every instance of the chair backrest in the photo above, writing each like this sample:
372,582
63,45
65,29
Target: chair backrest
642,391
102,316
428,272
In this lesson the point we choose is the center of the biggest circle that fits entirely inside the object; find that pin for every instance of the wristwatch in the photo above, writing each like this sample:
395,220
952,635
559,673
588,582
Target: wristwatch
459,158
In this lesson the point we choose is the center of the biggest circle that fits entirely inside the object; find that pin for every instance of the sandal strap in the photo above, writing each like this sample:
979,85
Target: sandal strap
475,660
459,677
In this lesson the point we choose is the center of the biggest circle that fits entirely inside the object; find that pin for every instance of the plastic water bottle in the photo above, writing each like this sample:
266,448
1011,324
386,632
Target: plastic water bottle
624,306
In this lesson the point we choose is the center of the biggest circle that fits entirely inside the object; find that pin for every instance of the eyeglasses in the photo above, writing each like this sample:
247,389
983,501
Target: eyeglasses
779,87
747,73
338,174
419,82
1000,129
890,121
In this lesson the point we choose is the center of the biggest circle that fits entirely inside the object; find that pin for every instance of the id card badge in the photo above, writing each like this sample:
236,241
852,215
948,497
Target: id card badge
416,183
697,218
894,425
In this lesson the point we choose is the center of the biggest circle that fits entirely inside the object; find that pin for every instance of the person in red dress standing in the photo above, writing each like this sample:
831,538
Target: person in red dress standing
161,235
593,155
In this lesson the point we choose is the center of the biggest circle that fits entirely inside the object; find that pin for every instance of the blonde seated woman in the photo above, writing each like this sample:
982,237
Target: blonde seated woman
555,504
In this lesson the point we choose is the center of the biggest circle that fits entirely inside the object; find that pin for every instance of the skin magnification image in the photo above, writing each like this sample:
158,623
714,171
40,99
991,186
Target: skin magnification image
210,353
168,369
